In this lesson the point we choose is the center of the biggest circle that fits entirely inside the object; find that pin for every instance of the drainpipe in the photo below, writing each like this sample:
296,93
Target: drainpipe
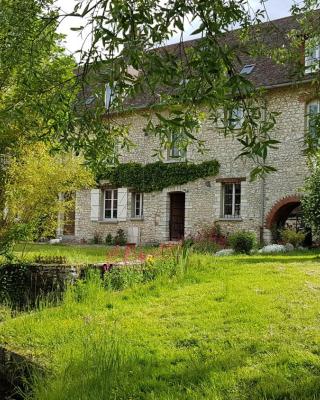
262,207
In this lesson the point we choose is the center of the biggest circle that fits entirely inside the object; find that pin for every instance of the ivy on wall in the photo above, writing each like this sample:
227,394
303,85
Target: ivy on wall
159,175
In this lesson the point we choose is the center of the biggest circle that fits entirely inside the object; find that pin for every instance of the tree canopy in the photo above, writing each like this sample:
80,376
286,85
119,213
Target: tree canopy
34,181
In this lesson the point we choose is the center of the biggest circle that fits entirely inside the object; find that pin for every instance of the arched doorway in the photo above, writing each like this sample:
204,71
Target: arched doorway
286,213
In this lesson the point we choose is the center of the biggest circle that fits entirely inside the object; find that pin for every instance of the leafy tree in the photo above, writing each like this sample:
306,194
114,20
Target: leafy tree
311,198
191,83
184,85
36,77
34,181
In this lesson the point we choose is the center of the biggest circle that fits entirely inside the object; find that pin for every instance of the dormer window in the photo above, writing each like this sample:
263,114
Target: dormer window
247,69
312,56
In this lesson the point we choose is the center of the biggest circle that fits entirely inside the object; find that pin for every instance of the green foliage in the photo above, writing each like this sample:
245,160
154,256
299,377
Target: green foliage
97,238
157,176
40,92
109,239
34,182
119,278
174,82
37,81
120,238
311,199
208,239
157,340
205,247
24,284
293,237
242,241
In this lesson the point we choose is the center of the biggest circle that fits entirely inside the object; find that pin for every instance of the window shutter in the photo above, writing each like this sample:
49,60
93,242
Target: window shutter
95,204
122,204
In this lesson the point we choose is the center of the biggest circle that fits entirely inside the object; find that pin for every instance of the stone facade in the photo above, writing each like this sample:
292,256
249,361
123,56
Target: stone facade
203,198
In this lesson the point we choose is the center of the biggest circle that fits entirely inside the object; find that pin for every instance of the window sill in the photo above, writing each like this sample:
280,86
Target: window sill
108,221
238,219
175,160
137,219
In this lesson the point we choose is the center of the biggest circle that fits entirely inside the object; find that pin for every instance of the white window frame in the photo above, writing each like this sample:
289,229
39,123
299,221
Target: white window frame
135,197
312,58
108,96
113,208
233,215
312,103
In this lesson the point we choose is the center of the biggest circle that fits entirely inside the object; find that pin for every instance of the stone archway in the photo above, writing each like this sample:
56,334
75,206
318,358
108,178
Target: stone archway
285,212
281,210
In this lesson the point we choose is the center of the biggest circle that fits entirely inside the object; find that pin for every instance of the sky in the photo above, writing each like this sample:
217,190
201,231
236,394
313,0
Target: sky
275,9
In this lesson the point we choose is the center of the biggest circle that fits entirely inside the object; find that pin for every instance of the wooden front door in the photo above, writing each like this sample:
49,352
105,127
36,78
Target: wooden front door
177,214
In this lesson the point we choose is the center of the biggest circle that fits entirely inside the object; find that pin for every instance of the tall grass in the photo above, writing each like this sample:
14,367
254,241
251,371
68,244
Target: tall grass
234,328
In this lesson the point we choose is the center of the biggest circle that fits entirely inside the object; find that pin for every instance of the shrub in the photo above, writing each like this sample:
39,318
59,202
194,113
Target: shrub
109,240
242,241
120,239
208,239
292,237
97,238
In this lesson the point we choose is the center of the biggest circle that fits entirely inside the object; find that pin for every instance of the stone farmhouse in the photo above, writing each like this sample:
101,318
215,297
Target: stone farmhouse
229,198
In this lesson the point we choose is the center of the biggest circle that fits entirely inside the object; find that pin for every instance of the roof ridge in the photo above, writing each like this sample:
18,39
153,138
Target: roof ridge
263,24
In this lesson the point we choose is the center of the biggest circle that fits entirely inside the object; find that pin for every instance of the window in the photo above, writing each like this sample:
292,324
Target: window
236,117
231,204
175,151
137,205
313,109
230,118
312,57
247,69
111,204
108,96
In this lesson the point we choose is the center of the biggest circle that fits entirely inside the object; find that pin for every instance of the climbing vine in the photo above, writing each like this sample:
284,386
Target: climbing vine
159,175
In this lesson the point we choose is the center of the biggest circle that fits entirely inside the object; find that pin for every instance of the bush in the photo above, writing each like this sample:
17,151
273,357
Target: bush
97,238
109,240
292,237
242,242
208,239
120,239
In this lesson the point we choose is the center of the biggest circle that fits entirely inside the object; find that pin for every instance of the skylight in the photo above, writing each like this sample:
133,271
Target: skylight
247,69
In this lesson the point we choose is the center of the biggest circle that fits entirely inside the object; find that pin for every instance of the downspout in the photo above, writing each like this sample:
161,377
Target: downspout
262,208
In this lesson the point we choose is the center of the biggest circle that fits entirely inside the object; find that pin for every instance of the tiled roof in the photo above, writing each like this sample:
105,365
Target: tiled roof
266,73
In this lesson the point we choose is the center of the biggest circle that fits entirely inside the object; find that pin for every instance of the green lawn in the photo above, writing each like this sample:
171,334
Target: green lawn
230,328
79,253
74,253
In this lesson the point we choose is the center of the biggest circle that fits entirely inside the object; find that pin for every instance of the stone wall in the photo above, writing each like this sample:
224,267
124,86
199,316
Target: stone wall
203,197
